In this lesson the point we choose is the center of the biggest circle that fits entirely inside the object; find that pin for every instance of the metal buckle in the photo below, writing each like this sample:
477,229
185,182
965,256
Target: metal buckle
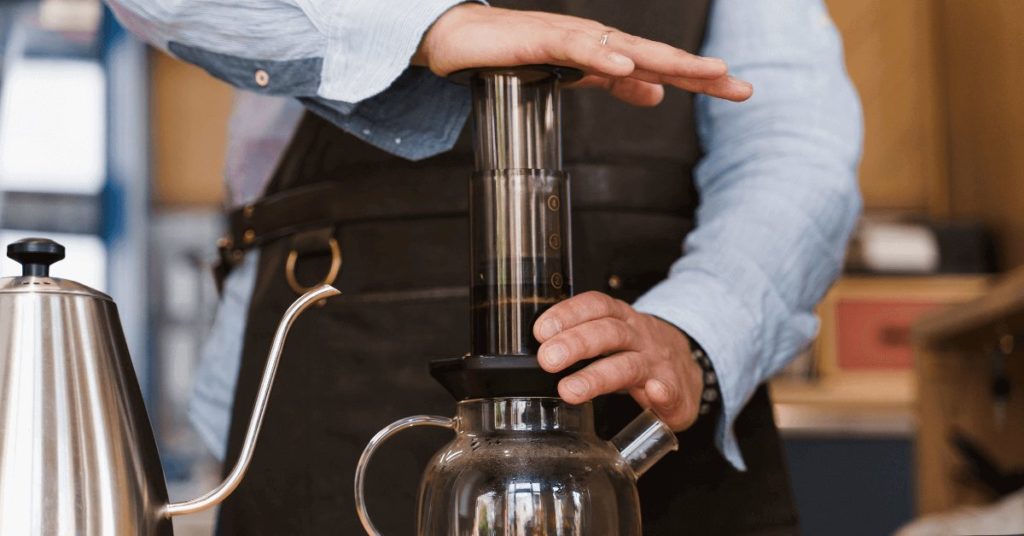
332,274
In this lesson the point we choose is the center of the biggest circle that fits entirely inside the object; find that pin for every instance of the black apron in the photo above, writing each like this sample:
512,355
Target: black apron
360,362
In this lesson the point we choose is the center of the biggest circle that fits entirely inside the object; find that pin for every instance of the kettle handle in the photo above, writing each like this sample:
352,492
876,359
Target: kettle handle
221,492
371,447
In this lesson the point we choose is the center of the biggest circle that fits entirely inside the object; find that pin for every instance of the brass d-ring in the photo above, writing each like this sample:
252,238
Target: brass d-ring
332,274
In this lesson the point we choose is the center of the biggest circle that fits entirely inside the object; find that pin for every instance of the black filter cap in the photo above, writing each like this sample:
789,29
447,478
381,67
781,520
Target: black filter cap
35,255
531,73
488,376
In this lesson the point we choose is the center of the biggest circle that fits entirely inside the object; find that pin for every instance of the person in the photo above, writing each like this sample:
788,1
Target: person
346,159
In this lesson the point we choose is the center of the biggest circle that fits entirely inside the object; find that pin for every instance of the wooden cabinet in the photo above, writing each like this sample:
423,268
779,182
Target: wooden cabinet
954,380
944,122
983,53
891,55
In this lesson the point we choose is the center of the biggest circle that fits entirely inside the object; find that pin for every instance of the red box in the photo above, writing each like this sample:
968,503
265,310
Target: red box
875,334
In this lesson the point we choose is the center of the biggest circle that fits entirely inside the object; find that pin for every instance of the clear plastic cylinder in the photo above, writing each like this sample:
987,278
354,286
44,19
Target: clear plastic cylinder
516,119
519,209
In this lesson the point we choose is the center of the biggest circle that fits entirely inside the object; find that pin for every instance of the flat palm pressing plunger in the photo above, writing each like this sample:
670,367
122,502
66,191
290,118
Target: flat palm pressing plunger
523,462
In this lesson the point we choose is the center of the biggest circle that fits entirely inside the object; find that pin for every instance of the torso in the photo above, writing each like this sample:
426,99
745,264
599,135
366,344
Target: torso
363,362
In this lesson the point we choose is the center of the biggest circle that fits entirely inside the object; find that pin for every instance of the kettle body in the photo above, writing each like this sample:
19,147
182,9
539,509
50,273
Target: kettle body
77,452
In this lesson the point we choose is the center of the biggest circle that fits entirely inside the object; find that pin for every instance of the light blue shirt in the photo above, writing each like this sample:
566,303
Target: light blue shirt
778,182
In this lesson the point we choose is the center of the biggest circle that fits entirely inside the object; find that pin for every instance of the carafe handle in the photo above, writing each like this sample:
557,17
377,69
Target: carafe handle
371,447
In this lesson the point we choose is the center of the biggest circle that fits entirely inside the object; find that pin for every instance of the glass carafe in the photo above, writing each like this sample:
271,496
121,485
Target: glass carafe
530,466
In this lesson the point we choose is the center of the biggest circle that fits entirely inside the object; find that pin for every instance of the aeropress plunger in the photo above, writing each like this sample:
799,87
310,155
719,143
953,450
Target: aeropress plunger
523,462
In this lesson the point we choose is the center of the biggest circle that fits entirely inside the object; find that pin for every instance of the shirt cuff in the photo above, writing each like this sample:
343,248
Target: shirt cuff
370,43
419,116
701,306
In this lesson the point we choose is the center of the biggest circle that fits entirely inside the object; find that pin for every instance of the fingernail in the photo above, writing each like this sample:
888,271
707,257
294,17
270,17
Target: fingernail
555,355
619,59
549,328
743,83
576,386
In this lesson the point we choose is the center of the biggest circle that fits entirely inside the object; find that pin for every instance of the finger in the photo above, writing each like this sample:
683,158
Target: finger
725,87
589,81
636,92
581,49
665,59
669,404
577,310
629,90
653,55
590,339
613,373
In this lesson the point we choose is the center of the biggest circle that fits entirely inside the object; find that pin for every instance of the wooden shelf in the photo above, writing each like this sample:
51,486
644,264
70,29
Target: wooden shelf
1001,305
876,404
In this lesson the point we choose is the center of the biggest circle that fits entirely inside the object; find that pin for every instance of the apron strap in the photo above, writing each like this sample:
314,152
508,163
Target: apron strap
383,194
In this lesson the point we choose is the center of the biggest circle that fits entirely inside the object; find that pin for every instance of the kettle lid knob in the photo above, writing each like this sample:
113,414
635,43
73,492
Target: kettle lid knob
35,255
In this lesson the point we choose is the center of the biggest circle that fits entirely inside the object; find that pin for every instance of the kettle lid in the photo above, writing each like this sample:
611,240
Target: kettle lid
35,256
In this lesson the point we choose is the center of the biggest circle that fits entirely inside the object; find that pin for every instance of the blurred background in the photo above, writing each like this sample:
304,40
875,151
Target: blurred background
911,402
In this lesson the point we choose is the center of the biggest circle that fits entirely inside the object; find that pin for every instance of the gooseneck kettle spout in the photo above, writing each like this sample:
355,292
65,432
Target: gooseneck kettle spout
222,491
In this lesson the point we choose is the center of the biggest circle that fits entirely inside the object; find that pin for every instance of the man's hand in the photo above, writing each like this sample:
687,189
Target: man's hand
646,356
631,68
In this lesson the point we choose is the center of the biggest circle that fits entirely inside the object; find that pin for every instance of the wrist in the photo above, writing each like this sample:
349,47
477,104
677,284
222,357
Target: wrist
695,377
435,33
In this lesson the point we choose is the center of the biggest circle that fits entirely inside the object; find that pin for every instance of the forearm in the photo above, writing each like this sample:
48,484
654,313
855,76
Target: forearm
346,60
778,197
346,50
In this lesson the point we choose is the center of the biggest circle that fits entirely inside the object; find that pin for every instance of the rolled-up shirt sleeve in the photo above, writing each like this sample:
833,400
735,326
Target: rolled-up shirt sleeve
347,60
779,197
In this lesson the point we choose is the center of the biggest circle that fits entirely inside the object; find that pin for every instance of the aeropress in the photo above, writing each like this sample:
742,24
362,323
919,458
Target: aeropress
523,461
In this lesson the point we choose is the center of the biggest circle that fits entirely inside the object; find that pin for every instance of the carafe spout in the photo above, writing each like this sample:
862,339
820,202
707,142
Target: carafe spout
221,492
644,441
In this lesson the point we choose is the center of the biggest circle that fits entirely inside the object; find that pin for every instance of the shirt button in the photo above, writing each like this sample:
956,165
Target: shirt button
262,78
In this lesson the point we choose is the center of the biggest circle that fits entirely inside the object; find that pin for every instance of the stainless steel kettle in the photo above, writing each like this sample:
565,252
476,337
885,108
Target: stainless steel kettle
77,454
